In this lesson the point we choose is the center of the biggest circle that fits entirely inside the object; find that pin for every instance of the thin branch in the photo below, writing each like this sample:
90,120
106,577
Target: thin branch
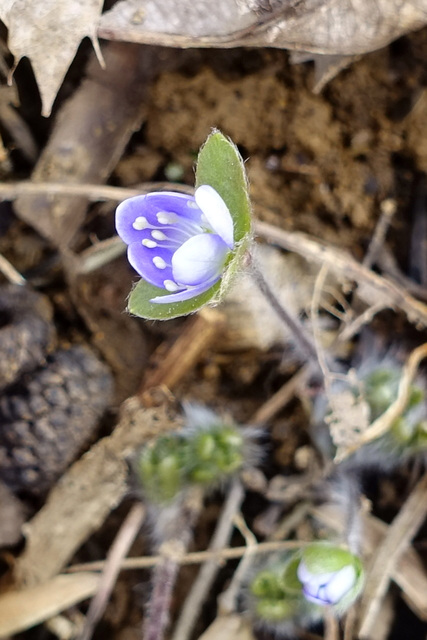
117,552
94,192
372,287
203,583
386,557
281,398
196,557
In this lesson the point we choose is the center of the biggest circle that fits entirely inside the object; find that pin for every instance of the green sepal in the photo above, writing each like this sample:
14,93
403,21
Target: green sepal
289,578
139,302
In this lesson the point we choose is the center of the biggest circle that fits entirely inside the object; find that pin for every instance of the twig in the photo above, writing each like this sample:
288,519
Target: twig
94,192
196,557
206,576
364,318
292,323
372,287
314,310
9,272
281,398
199,333
117,552
228,599
398,537
387,210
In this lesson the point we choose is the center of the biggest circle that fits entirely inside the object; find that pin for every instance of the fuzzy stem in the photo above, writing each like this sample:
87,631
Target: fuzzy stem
306,345
179,531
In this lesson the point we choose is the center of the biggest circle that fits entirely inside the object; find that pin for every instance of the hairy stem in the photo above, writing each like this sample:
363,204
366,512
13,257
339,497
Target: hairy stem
306,345
179,531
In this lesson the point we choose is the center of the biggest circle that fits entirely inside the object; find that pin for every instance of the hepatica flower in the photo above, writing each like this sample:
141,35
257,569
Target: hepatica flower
330,576
177,242
187,248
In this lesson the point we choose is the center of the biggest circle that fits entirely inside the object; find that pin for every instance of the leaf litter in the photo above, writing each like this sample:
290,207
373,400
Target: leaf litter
321,165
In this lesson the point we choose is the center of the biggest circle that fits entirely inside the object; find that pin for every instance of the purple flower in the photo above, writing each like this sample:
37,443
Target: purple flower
326,588
177,242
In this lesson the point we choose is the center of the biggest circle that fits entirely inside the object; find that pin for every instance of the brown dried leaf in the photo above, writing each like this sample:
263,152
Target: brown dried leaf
48,32
344,27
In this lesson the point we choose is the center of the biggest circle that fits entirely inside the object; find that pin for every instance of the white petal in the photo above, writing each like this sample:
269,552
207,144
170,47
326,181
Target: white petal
199,259
340,584
216,213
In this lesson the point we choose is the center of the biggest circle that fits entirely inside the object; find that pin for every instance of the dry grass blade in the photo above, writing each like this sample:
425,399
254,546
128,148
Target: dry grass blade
398,537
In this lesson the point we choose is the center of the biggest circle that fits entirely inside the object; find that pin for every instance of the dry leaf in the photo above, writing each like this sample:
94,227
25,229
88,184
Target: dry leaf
49,32
20,610
344,27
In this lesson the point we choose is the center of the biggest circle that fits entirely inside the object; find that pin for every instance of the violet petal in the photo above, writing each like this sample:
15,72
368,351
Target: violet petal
141,258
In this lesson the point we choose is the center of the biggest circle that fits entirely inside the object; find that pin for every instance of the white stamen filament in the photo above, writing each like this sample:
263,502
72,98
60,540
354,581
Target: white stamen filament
149,243
159,262
170,285
140,223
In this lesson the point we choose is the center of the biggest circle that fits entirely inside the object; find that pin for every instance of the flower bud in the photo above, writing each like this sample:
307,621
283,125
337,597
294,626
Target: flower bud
161,469
330,576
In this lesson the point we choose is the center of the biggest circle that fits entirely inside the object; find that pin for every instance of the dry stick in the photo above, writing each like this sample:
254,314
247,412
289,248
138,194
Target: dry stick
292,323
195,557
208,571
117,552
199,333
94,192
165,574
388,208
281,398
398,537
9,271
346,266
228,599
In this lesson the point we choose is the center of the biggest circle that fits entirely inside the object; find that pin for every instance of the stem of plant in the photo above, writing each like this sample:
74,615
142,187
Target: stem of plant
179,528
306,345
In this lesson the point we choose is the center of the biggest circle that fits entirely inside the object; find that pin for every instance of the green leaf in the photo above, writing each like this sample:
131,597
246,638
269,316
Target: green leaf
139,302
220,165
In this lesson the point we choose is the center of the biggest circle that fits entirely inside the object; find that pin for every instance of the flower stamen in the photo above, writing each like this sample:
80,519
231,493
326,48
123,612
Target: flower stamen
159,262
140,223
149,243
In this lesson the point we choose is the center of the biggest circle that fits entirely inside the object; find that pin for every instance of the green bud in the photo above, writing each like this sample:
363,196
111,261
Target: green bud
330,576
161,469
